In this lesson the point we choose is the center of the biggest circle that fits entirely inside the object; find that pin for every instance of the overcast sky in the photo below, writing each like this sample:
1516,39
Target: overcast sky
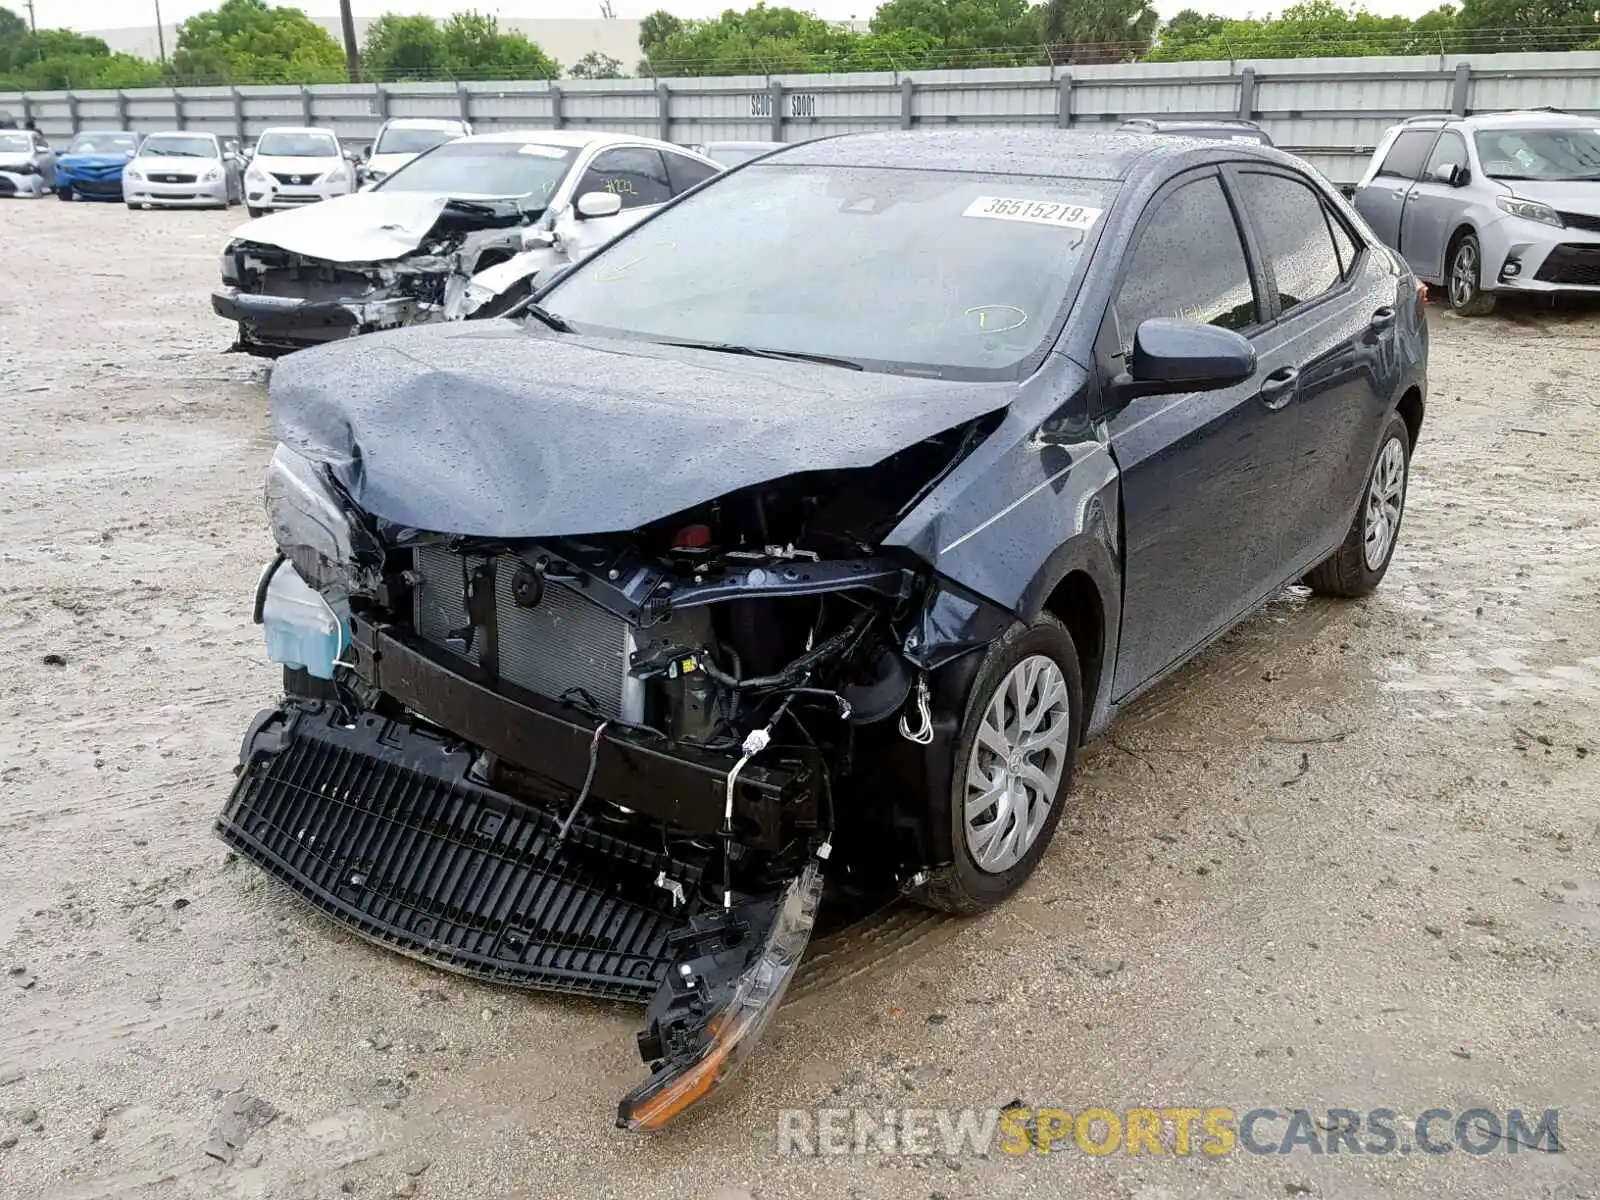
119,14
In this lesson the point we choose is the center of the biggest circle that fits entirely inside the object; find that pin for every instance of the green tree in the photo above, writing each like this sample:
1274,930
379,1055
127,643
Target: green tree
475,48
971,32
399,48
59,58
654,31
595,65
250,41
1313,29
1097,31
1494,26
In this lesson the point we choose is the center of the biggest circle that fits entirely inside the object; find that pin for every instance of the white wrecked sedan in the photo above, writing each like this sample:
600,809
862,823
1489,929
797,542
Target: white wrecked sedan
459,232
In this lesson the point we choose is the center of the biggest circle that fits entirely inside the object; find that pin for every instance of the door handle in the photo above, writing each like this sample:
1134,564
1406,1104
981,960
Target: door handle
1410,196
1382,319
1278,388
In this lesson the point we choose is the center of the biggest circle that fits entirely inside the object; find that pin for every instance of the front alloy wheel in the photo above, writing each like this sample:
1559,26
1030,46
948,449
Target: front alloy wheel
1012,767
1466,270
1016,763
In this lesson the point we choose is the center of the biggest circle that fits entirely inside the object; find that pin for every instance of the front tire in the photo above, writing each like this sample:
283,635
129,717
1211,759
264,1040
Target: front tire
1464,276
253,212
1013,762
64,192
1362,559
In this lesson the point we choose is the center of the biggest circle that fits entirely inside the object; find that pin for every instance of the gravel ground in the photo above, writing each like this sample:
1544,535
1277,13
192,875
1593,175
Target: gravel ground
1348,858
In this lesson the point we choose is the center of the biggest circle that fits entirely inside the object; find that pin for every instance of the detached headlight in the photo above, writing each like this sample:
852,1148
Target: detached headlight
312,525
1529,210
212,175
734,1027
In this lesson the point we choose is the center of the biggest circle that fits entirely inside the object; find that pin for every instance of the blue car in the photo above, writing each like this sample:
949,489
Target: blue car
90,168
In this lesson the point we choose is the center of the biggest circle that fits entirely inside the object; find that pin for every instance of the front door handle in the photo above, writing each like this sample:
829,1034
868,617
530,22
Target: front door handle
1278,388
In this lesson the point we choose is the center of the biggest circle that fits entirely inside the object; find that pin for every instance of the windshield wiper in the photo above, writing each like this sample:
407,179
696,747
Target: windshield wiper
826,360
541,314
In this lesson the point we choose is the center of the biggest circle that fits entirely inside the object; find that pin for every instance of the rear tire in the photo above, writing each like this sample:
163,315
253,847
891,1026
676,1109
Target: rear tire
1349,571
1464,277
989,862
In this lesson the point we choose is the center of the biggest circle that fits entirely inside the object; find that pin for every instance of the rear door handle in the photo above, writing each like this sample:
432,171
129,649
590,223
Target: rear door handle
1278,388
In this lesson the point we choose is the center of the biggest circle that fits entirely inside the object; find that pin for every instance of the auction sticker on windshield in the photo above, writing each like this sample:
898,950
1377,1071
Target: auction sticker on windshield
1034,212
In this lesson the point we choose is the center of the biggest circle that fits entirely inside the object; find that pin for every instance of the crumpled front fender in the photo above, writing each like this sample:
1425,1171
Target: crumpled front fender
500,278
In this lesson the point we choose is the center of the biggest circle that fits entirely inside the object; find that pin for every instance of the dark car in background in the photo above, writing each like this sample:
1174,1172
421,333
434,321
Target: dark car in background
578,707
91,166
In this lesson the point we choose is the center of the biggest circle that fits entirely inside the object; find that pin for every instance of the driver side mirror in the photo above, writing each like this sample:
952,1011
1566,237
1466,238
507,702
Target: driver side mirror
598,204
1451,174
1172,356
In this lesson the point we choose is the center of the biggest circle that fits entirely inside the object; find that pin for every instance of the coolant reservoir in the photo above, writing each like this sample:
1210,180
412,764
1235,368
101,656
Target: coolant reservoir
301,628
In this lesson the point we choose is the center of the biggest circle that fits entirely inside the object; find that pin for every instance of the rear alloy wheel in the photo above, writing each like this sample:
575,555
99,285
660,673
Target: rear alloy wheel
1362,559
1013,767
1464,278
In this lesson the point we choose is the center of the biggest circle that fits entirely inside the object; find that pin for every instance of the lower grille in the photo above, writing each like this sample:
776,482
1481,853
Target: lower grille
562,643
98,187
377,825
1577,265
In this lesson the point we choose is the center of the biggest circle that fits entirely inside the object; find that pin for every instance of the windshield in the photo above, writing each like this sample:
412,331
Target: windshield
485,169
13,143
175,145
297,145
412,141
103,143
958,274
1547,154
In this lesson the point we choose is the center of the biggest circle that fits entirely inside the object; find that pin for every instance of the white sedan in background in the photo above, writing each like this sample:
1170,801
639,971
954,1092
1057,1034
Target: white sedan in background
295,166
183,169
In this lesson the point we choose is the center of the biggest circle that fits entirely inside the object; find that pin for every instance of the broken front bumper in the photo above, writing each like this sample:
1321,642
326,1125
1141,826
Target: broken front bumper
273,325
392,829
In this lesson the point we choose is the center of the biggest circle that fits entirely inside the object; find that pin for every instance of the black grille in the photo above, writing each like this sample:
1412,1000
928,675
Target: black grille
1576,265
379,827
98,187
1580,221
299,180
172,178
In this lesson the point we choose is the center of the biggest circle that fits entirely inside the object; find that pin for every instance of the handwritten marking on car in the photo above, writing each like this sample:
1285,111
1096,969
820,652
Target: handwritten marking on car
1033,212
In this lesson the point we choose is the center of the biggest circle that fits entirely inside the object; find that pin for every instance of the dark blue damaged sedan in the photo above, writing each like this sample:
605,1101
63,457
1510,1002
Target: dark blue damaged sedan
800,536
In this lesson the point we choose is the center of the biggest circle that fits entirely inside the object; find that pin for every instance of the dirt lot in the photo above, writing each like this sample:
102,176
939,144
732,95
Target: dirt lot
1347,859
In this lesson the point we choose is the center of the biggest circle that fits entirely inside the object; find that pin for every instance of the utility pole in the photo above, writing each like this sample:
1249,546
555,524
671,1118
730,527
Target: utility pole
32,27
352,52
161,35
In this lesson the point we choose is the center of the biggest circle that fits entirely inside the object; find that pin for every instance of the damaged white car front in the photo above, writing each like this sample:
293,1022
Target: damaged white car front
458,233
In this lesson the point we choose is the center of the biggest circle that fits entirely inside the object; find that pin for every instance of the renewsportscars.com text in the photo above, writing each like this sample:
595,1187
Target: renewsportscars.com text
1179,1131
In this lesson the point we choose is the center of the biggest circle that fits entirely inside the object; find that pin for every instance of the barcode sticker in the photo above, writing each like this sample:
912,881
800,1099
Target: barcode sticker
1034,212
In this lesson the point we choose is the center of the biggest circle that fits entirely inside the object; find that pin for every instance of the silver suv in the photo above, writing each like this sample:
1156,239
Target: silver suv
1505,202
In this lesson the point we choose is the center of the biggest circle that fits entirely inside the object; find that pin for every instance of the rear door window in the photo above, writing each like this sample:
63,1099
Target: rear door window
685,172
1189,263
1292,224
1409,152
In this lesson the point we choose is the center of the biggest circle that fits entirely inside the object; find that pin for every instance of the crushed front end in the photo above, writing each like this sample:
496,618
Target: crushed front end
612,765
282,300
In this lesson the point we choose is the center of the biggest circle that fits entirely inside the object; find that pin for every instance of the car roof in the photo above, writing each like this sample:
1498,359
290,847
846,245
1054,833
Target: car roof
1062,153
569,137
294,129
1514,119
744,145
426,122
197,133
1193,123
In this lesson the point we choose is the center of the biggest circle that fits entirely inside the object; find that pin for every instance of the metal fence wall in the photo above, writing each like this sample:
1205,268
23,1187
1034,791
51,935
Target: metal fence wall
1329,110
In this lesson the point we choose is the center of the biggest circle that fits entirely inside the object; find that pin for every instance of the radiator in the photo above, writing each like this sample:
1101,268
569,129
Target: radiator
564,642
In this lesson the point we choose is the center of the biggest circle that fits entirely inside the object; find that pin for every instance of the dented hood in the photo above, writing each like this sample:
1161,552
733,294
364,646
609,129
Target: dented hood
491,430
363,227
